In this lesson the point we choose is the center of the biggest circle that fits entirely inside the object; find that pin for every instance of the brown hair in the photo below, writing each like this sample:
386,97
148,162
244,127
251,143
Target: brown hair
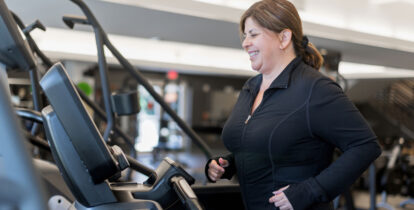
277,15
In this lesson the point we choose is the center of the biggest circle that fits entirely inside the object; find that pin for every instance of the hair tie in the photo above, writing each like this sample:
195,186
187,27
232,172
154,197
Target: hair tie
305,42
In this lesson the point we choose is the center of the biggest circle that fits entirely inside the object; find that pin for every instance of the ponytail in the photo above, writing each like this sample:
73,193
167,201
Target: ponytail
310,55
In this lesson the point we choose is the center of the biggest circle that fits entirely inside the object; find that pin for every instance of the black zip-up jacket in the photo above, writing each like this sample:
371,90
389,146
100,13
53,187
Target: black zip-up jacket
290,138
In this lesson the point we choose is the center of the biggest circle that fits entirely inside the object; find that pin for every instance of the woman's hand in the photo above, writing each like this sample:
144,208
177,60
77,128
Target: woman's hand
216,170
280,200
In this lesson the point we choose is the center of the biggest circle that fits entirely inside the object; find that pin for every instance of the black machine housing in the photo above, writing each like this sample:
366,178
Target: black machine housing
86,162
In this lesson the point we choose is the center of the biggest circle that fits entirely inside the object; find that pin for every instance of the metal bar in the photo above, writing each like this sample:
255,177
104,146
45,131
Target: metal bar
29,114
32,43
37,141
137,166
103,72
37,103
34,81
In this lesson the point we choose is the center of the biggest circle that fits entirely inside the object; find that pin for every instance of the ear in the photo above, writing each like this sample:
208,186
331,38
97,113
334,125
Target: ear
285,38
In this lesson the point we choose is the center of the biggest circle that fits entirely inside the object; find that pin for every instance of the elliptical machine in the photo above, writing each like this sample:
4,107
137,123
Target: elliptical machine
88,165
17,55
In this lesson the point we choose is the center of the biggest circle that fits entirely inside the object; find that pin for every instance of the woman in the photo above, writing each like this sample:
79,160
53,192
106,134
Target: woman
288,120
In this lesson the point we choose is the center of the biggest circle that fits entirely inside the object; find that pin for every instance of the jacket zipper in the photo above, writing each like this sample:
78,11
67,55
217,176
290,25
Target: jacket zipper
248,118
265,96
250,108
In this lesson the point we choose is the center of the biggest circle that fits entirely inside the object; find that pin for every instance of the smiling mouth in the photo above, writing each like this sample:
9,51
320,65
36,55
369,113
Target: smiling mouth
253,53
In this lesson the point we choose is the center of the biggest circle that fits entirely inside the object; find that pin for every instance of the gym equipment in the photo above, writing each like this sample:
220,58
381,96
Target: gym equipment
31,114
15,54
167,164
37,24
208,193
397,176
20,186
14,51
125,103
87,163
331,60
109,102
101,41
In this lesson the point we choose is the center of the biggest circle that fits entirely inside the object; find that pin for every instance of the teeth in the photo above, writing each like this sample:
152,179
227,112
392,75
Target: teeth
254,53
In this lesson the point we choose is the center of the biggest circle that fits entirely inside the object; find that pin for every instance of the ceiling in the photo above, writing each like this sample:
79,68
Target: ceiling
384,39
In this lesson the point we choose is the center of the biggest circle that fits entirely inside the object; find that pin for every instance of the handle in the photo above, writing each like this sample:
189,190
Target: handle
186,194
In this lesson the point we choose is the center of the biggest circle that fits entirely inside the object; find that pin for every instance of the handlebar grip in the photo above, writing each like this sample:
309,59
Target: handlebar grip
186,194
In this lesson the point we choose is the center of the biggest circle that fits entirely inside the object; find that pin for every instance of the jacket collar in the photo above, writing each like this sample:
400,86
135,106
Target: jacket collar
282,81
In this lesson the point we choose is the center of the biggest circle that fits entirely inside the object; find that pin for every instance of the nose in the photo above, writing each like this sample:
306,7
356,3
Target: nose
246,43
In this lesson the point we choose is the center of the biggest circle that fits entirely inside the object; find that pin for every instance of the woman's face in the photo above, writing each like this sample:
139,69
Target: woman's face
262,45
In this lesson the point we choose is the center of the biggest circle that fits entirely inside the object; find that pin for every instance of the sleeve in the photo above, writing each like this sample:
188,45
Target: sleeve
333,118
229,170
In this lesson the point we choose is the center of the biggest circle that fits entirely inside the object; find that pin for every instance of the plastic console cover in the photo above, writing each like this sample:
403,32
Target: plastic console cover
77,123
